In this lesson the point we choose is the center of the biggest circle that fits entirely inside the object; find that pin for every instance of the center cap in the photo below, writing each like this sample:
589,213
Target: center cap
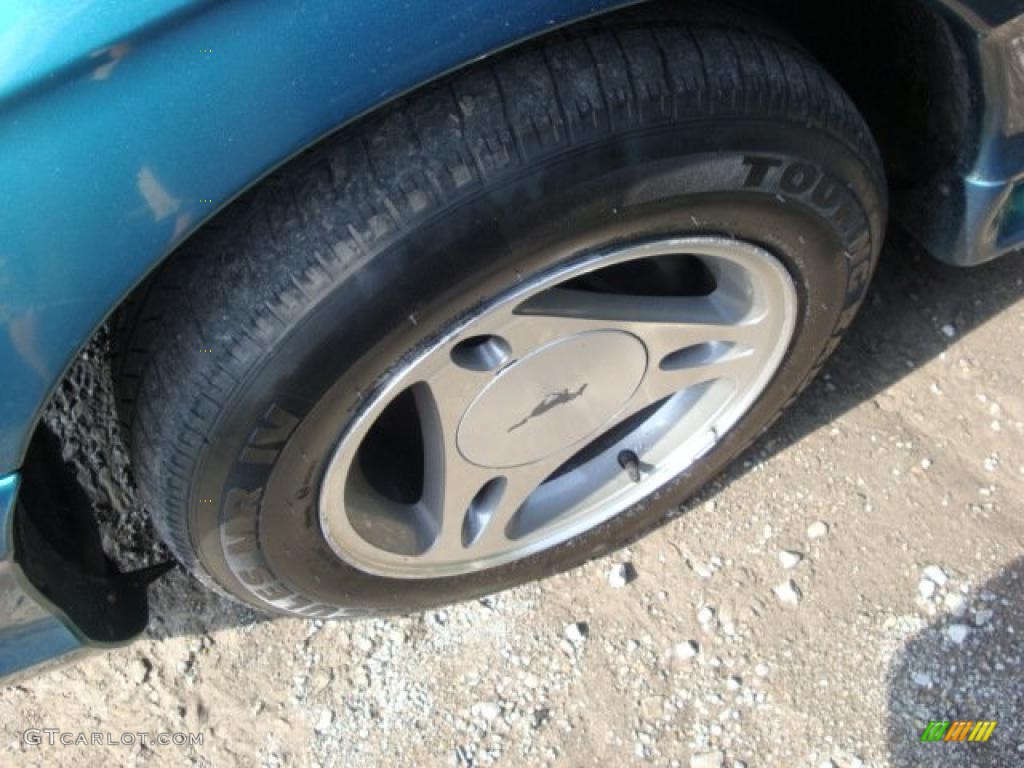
552,398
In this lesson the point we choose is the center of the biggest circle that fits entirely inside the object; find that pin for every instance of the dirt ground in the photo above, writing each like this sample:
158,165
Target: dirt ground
858,574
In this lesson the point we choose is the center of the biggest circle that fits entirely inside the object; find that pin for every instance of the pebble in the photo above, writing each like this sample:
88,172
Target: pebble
788,593
922,679
789,558
955,603
926,588
621,574
715,759
323,724
817,530
705,615
685,651
958,633
486,710
138,671
948,331
576,633
935,574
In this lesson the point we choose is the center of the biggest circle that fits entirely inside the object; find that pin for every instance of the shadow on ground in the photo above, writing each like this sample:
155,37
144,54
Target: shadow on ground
935,678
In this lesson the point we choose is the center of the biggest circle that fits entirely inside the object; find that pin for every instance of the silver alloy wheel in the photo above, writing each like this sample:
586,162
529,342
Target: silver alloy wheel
551,409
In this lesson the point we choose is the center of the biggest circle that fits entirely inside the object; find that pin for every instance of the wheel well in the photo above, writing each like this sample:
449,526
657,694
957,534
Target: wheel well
900,61
902,64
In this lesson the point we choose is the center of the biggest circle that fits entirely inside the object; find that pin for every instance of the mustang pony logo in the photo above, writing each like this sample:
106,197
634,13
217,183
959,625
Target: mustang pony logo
551,400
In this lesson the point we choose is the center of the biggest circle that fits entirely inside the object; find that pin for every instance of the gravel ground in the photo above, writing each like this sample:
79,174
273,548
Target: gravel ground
858,574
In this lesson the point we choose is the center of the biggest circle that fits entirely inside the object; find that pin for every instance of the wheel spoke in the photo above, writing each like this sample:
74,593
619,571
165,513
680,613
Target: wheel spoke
450,482
708,362
666,324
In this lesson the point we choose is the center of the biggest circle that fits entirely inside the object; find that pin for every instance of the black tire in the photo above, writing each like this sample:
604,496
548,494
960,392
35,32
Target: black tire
307,289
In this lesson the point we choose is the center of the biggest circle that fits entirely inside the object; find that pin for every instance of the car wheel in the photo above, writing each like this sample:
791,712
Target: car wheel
503,326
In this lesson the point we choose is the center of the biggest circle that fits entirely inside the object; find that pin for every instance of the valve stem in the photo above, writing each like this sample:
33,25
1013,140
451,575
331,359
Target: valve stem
628,461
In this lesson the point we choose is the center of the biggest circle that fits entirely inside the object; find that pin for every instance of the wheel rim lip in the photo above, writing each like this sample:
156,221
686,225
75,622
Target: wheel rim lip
349,545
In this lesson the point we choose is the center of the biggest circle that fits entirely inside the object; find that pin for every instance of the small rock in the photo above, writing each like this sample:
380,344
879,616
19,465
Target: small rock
701,570
982,617
789,558
761,670
138,670
705,615
326,719
958,633
817,530
651,707
788,592
685,651
956,604
926,588
949,331
486,710
714,759
922,679
926,463
733,684
936,574
621,574
576,633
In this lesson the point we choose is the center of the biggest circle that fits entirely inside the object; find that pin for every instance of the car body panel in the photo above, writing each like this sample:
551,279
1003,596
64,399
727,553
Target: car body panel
125,126
971,215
